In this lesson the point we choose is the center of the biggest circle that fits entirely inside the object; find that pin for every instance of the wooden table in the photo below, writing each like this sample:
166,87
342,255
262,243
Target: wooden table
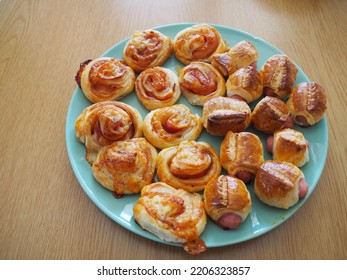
45,214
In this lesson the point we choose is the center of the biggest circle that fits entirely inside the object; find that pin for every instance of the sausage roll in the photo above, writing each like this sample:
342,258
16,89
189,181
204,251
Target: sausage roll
125,166
221,114
173,215
198,43
227,201
271,114
241,154
307,103
105,78
106,122
280,184
241,55
200,81
278,75
189,166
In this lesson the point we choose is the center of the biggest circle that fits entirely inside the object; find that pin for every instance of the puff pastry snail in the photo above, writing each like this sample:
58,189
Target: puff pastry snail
105,78
169,126
126,166
173,215
221,114
189,166
146,49
307,103
278,75
105,122
241,55
157,88
200,81
288,145
241,155
198,43
227,201
280,184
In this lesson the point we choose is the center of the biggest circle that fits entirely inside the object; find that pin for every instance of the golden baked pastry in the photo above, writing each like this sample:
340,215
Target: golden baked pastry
173,215
241,55
221,114
157,87
245,84
278,75
197,43
106,122
227,201
241,154
126,166
169,126
146,49
200,81
307,103
280,184
271,114
189,166
105,78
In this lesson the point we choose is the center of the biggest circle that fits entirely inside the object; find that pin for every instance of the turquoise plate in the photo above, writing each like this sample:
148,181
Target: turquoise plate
262,218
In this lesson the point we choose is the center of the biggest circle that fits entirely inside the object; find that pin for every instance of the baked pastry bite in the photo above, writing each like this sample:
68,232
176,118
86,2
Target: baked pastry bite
307,103
146,49
157,88
278,75
173,215
227,201
271,114
280,184
105,122
241,154
105,78
288,145
200,81
189,166
198,43
221,114
124,167
169,126
241,55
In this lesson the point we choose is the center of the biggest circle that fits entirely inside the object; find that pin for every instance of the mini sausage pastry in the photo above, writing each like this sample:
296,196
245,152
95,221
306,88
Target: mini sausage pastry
280,184
288,145
241,154
167,127
200,81
271,114
198,43
307,103
126,166
227,201
173,215
189,166
146,49
221,114
105,78
278,75
105,122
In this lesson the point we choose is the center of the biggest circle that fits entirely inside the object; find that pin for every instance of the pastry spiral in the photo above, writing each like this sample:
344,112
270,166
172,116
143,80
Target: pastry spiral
167,127
125,166
146,49
188,166
106,122
200,81
198,43
157,87
174,215
105,78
